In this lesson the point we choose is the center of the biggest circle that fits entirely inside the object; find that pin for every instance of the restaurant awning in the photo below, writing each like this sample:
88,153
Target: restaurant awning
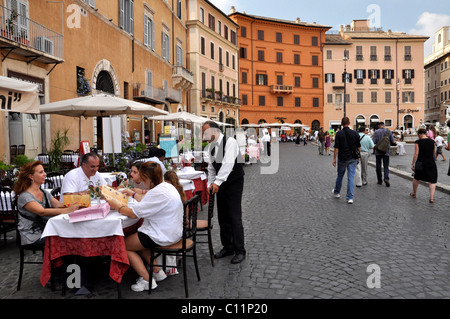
18,96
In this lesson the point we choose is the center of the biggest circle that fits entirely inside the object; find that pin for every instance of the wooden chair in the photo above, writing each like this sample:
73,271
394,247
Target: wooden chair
204,227
21,149
186,244
56,192
56,178
7,208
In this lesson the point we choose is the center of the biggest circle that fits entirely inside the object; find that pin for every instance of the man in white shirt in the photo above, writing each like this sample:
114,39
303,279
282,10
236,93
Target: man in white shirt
439,146
78,180
226,178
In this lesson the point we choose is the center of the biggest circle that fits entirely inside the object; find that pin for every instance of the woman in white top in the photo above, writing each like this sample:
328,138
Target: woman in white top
162,211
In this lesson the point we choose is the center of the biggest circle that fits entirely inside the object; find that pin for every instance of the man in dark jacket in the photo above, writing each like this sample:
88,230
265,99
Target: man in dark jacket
381,156
345,142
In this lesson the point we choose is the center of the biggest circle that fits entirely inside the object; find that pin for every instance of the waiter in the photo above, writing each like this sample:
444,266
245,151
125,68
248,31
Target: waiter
226,178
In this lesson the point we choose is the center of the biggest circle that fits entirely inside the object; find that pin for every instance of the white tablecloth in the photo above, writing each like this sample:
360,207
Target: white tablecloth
112,224
109,178
190,173
187,184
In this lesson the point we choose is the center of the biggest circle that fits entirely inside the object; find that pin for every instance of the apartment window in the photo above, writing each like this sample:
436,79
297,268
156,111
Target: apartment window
202,15
225,32
329,78
219,27
387,97
279,57
296,58
203,108
373,53
315,60
388,123
407,53
227,58
202,46
125,90
374,75
244,78
243,53
408,75
359,53
165,46
387,53
261,35
243,32
329,98
360,97
149,32
203,84
296,39
213,82
360,75
315,82
233,62
179,55
329,54
126,15
315,102
213,109
297,81
388,75
408,97
279,37
315,41
179,9
338,99
298,102
346,77
262,100
260,55
244,99
373,97
279,101
212,22
220,56
280,79
212,50
233,37
261,79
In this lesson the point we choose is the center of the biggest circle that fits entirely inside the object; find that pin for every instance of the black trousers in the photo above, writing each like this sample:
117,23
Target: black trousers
229,213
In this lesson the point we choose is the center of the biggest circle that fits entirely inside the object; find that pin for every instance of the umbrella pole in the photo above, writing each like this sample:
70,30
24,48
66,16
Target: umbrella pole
112,140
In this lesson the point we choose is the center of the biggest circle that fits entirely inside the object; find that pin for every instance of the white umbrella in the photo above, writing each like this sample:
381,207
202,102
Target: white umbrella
251,125
272,124
19,96
99,105
180,117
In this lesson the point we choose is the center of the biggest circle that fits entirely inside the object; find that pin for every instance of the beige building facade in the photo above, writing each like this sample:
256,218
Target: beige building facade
213,59
437,79
384,77
132,49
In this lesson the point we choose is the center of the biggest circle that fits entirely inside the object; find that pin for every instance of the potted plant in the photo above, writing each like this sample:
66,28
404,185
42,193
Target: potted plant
211,92
58,145
9,25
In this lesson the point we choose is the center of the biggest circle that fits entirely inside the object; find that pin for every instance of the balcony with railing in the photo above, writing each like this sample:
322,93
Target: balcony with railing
182,78
148,93
219,97
23,36
288,89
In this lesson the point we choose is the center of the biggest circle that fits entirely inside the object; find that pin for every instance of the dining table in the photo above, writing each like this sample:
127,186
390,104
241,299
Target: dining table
90,238
198,180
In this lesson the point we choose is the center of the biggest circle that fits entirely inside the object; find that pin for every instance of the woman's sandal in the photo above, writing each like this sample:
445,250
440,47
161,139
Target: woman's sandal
413,195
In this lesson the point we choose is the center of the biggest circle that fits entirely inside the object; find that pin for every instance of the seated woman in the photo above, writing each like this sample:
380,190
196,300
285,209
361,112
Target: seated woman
35,205
138,189
162,211
172,178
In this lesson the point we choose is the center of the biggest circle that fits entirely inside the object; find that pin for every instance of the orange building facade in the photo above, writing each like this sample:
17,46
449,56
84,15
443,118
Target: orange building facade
280,70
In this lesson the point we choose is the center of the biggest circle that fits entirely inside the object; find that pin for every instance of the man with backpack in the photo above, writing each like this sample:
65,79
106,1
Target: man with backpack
383,139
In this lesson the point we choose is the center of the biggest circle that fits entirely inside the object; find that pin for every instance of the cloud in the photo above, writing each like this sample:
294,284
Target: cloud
428,24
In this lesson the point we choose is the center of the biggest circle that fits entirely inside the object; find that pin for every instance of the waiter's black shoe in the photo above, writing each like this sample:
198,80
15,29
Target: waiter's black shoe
223,253
238,258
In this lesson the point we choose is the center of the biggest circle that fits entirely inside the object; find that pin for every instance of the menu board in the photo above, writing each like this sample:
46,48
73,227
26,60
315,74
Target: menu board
110,193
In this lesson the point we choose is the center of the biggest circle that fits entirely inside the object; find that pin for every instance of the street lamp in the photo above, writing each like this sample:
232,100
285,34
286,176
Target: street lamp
345,81
398,102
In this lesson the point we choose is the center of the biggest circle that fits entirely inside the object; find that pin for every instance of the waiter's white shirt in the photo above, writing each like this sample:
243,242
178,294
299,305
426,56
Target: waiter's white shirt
231,153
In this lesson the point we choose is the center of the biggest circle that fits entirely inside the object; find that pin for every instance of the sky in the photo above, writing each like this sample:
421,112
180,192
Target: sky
418,17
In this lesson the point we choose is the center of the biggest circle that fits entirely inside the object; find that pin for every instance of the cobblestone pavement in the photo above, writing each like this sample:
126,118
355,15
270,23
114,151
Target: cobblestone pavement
302,243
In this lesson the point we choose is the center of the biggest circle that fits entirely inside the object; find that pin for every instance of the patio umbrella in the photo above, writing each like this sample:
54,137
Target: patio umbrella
99,105
251,125
18,96
180,117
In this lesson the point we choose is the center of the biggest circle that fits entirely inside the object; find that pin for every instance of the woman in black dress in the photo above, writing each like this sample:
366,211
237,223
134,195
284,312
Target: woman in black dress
423,164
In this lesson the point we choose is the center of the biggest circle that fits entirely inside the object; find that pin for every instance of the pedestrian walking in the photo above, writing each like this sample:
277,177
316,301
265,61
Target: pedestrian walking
327,143
423,164
226,178
345,145
366,145
383,139
320,140
440,146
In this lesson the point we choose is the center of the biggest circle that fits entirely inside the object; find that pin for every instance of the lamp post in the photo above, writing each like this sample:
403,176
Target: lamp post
398,102
345,81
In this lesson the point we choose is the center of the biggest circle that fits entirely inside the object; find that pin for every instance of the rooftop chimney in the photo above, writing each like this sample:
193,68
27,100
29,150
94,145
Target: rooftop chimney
233,10
298,20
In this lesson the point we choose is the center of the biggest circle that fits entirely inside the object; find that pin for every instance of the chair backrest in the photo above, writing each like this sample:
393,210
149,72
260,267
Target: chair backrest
190,219
7,203
21,149
211,207
48,184
56,178
56,192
